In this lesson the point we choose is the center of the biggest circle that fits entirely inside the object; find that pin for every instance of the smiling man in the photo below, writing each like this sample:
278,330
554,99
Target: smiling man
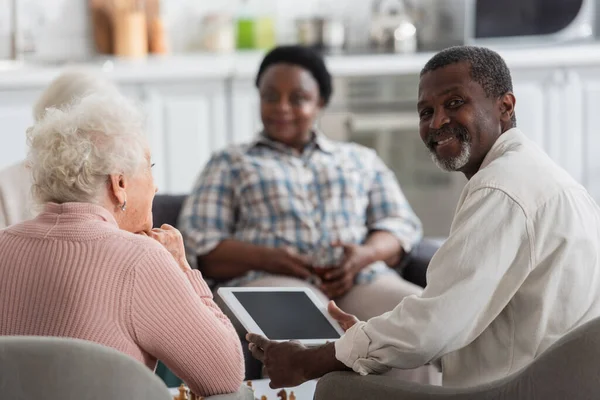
519,270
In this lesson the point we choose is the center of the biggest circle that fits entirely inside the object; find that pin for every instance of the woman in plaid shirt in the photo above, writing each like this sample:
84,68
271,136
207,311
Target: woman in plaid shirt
293,208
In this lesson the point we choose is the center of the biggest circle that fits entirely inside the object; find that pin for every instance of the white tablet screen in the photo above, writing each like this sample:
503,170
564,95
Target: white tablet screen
286,315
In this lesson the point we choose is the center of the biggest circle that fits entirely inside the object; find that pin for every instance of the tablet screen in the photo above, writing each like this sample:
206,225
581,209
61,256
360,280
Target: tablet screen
286,315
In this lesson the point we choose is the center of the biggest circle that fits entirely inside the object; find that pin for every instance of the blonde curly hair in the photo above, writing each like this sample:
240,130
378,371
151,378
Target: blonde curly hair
74,149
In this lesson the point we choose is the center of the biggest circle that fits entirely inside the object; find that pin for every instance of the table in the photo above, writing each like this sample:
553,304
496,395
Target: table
261,388
303,392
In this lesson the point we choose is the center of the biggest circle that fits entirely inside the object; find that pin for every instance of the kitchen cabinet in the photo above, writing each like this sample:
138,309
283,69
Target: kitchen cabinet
190,117
590,123
16,116
244,109
186,123
548,110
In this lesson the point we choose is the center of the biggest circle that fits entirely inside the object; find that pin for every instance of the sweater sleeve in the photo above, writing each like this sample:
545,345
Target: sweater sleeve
175,319
471,279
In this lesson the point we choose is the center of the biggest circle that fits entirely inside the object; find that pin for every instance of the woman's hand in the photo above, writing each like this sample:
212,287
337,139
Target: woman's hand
286,261
171,240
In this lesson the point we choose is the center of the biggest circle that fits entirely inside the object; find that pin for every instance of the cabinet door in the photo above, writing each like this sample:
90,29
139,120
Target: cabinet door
186,123
548,110
244,119
590,94
15,117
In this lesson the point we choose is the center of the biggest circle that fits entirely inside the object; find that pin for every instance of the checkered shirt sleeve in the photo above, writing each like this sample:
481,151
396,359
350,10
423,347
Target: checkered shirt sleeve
208,215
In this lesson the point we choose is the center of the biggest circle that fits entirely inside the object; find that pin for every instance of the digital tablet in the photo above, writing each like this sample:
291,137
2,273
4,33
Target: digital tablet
282,313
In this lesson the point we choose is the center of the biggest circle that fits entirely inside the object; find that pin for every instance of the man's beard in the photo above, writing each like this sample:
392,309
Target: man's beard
454,163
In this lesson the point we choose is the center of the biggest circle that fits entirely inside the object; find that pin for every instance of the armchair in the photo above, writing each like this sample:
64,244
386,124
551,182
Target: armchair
569,369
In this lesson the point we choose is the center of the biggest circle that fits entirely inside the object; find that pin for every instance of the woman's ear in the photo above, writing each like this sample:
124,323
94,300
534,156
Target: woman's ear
116,188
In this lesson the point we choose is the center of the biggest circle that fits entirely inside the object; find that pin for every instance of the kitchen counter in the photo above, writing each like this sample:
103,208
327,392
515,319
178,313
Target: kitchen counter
243,65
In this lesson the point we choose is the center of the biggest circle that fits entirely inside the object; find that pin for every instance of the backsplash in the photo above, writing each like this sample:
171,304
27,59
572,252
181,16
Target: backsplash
59,29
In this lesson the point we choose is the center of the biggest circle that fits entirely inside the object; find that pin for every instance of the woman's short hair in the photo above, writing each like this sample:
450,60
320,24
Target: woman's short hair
70,86
304,57
73,150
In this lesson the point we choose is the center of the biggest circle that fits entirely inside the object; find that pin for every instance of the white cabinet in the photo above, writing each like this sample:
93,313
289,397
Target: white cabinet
15,117
548,110
186,123
244,106
590,111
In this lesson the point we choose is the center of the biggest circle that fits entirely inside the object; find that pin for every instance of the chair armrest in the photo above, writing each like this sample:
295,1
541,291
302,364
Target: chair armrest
413,266
352,386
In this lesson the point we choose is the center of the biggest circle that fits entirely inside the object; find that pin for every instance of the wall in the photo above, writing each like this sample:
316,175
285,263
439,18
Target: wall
57,28
61,29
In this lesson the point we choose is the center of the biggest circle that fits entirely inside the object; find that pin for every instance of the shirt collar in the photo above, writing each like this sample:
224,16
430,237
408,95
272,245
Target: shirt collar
506,140
319,139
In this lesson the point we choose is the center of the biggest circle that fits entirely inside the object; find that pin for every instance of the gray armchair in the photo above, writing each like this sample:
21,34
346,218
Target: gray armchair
570,369
52,368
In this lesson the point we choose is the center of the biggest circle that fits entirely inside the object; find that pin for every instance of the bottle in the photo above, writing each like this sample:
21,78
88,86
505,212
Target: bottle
157,39
246,28
265,25
255,26
130,29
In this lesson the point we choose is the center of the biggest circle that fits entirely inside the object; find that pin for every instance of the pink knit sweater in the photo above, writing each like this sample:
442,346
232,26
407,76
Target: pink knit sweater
72,272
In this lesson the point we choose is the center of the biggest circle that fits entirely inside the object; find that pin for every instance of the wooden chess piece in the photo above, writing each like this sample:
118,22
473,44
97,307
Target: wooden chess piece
249,384
263,397
183,393
292,396
282,394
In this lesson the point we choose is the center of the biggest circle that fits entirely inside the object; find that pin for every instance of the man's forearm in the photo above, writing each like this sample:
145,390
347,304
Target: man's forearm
232,258
385,247
320,361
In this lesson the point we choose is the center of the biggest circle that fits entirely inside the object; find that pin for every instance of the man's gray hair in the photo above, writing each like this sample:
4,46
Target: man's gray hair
74,149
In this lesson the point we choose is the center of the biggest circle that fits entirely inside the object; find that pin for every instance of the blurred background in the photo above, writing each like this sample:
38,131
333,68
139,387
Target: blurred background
190,64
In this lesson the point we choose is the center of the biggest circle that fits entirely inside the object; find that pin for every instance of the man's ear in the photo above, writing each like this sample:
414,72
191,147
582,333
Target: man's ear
116,188
507,107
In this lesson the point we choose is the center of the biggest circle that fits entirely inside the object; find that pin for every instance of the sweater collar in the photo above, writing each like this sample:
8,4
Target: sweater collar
83,211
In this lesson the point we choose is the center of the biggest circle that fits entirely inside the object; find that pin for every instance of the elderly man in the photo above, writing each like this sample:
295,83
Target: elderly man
521,265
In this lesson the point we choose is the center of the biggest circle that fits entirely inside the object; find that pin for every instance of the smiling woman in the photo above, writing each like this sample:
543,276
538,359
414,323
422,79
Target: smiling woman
294,208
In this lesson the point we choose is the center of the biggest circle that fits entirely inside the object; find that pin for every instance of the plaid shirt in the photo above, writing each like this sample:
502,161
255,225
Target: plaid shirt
270,195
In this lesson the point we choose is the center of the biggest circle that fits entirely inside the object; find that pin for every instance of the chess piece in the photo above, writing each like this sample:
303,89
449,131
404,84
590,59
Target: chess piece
263,397
249,384
183,393
282,394
292,396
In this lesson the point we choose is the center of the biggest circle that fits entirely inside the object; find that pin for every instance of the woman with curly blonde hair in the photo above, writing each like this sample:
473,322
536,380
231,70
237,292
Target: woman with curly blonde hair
91,267
16,203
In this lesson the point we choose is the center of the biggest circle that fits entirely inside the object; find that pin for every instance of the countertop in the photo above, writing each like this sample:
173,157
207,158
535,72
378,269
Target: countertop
243,65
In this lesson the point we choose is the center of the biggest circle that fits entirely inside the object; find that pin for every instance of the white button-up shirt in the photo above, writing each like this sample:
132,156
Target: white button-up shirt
519,270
